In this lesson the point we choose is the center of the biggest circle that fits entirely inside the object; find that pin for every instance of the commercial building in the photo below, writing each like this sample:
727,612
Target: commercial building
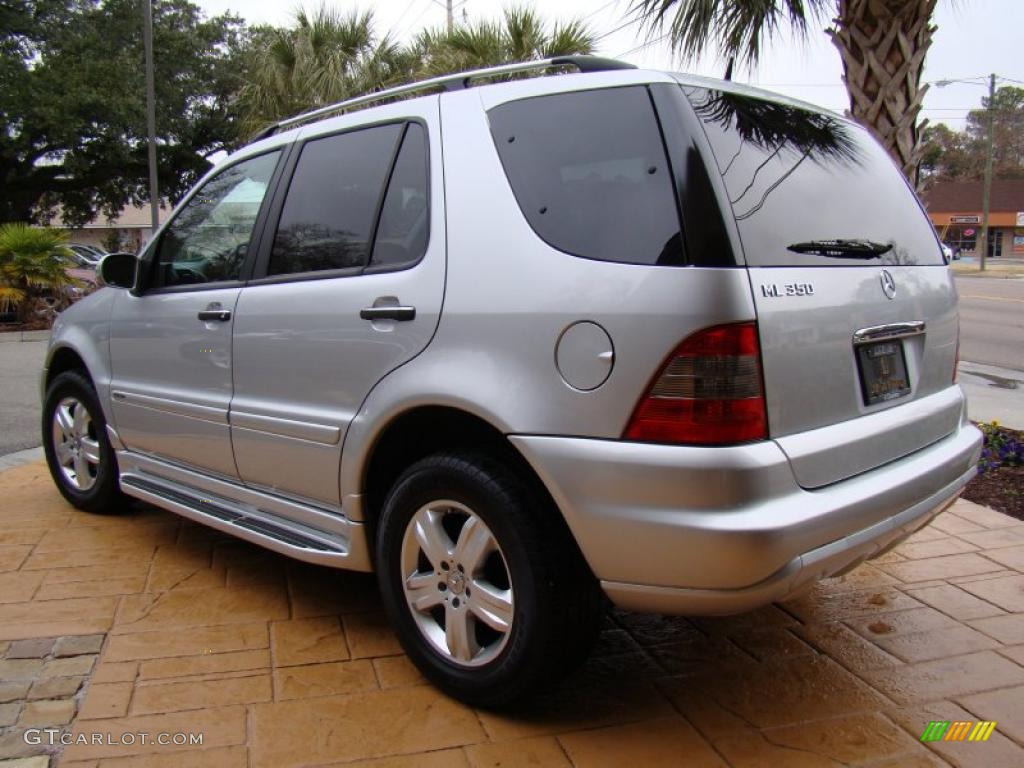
954,208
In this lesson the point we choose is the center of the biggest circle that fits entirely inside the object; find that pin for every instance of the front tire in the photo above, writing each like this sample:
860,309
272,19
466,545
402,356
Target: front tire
78,451
485,587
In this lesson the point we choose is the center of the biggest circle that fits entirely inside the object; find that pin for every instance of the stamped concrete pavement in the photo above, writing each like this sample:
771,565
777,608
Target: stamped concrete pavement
277,663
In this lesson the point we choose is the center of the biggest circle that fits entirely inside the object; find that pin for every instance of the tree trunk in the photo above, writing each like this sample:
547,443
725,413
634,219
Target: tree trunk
883,44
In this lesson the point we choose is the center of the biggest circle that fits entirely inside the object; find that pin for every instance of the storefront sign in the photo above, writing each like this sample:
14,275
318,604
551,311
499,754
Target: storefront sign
1020,218
971,219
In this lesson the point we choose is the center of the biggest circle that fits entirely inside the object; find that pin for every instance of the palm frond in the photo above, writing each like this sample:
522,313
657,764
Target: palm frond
735,28
572,38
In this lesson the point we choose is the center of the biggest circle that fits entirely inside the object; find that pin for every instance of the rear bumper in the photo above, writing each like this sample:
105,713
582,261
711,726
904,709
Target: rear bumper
721,530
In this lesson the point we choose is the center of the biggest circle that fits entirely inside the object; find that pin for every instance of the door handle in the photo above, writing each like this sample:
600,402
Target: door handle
388,313
220,315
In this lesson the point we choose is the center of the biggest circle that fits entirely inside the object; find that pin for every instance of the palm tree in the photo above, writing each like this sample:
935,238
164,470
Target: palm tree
521,35
324,58
33,261
882,44
328,57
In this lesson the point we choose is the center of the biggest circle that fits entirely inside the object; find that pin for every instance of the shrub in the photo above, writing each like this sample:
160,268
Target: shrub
33,264
1002,448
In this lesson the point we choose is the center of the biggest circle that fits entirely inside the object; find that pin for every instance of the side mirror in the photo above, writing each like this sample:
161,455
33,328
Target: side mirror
118,270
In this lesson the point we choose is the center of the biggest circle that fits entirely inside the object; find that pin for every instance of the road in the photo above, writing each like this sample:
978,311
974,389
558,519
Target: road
20,364
992,321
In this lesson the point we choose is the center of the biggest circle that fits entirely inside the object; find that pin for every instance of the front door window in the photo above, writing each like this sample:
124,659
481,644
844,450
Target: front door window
209,238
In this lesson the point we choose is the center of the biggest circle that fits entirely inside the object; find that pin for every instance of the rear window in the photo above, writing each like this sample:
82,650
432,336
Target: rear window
802,179
590,174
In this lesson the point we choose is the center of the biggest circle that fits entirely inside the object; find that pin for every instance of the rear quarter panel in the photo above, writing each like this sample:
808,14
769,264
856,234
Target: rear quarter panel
508,298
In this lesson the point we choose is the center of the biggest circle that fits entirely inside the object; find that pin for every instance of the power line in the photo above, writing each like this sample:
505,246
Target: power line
404,14
594,13
412,24
644,45
619,28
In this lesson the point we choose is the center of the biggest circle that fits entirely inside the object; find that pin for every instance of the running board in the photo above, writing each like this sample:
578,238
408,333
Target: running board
260,518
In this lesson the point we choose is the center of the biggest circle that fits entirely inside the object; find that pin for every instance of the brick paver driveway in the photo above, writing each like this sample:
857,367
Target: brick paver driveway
278,663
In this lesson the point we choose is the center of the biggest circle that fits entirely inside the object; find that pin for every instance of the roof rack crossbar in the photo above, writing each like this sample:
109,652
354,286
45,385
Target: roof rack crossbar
451,82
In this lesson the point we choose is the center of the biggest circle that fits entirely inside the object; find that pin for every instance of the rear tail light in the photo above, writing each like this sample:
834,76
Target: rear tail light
708,392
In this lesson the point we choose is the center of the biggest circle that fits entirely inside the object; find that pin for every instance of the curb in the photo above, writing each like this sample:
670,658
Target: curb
16,459
8,336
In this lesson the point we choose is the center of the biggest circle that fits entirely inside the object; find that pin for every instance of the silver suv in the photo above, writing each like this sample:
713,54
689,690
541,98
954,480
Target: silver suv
517,347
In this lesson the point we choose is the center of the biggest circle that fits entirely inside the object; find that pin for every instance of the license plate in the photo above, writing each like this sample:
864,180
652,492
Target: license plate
883,371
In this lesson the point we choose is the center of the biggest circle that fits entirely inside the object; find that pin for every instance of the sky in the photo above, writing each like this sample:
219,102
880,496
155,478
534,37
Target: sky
974,38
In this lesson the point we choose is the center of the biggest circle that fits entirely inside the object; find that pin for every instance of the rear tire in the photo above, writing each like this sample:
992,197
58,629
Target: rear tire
78,451
483,583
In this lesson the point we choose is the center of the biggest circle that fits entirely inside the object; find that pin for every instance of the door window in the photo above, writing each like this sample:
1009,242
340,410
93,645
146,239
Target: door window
208,239
328,216
404,223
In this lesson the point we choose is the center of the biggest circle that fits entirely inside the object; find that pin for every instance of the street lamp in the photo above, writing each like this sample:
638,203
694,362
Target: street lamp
986,192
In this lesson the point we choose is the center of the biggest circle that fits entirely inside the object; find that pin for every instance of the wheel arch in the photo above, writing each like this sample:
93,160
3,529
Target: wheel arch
64,358
427,429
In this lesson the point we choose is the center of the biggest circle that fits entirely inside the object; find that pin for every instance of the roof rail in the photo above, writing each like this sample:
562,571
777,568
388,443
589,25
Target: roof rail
451,82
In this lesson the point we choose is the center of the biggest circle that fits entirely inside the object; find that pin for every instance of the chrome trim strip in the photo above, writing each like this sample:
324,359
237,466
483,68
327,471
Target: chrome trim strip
889,331
177,407
459,79
303,430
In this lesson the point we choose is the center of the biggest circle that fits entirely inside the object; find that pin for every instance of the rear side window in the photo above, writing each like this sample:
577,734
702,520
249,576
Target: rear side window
404,224
328,214
800,180
590,174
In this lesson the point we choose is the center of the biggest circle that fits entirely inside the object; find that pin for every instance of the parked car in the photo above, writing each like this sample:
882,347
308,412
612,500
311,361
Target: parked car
86,255
670,341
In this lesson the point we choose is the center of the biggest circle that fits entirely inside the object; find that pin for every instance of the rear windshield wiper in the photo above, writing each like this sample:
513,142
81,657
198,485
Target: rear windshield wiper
848,249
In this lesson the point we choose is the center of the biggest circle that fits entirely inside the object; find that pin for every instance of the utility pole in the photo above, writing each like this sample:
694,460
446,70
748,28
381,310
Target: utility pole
986,193
450,6
147,41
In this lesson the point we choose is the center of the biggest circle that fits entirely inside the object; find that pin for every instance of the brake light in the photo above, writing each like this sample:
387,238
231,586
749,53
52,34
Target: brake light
708,392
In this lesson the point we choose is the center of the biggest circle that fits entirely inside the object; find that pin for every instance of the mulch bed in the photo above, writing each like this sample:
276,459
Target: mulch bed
1002,489
1000,483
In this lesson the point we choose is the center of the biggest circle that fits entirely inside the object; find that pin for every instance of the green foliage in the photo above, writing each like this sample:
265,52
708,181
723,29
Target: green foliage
72,99
521,35
960,155
736,28
326,57
1002,447
112,241
33,261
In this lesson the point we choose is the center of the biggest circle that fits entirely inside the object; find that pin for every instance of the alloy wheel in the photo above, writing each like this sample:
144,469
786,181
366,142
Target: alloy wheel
457,583
75,444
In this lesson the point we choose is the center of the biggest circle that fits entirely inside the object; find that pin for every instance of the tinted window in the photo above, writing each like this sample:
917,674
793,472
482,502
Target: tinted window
209,238
799,178
404,223
590,173
328,214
